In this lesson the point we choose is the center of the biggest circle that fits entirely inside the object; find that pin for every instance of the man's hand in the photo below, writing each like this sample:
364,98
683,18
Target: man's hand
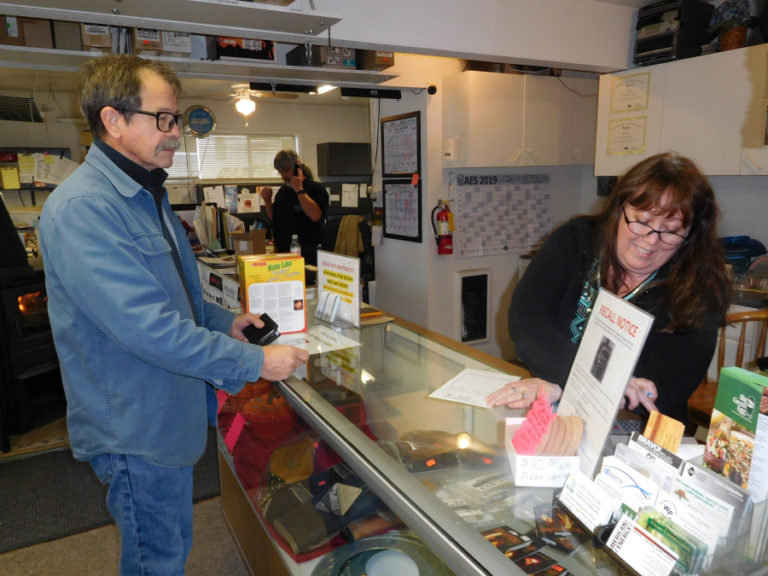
266,194
281,361
240,322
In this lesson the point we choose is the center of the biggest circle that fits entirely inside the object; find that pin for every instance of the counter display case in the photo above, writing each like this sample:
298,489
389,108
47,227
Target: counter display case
436,468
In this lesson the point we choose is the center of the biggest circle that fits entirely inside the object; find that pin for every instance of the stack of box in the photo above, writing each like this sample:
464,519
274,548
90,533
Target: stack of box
38,33
146,42
323,56
177,44
229,47
96,38
375,59
66,36
11,31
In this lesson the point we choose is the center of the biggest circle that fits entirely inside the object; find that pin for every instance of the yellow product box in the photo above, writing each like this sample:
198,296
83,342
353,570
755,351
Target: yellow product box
274,283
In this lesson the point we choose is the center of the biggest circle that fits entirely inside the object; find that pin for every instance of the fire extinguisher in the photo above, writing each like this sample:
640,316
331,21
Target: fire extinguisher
442,224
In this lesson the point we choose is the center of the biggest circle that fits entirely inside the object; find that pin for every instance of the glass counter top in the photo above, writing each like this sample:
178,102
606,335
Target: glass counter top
441,467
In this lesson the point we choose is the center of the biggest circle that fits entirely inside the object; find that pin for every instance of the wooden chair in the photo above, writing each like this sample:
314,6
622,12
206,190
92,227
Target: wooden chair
745,319
702,401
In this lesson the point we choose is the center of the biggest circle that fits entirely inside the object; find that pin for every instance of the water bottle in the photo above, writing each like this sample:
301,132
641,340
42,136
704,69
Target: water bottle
295,246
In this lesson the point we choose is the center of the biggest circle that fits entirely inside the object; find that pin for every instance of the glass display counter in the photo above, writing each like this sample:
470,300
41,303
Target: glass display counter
439,467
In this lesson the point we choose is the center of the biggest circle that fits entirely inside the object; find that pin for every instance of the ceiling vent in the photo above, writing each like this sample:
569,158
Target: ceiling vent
19,109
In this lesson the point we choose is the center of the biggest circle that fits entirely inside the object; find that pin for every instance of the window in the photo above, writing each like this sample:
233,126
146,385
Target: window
229,156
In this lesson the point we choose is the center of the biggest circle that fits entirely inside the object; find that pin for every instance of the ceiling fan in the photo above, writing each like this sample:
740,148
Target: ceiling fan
245,97
243,91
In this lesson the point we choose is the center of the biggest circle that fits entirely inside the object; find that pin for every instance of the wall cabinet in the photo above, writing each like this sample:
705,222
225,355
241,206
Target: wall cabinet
709,108
492,119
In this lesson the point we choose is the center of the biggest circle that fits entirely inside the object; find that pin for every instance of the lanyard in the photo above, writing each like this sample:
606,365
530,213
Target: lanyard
588,295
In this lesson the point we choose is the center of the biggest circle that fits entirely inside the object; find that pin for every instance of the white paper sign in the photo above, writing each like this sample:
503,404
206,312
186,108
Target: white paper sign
612,342
340,275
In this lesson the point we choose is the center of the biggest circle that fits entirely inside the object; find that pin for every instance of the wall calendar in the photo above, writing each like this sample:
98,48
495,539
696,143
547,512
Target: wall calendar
500,213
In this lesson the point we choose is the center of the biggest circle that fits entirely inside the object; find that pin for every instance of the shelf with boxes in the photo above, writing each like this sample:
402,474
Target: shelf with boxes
191,35
210,17
234,69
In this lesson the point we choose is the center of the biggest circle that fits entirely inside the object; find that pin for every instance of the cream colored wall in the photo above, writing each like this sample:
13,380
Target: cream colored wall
313,123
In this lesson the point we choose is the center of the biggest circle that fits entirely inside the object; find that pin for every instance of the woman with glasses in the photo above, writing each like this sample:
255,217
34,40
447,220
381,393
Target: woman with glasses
655,244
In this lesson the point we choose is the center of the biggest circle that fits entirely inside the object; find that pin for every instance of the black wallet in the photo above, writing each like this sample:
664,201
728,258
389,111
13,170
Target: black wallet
262,336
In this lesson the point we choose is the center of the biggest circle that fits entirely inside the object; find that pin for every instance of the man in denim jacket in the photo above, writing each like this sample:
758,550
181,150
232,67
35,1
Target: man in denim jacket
137,344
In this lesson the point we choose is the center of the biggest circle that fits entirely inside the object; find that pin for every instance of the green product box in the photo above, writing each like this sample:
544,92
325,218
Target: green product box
737,441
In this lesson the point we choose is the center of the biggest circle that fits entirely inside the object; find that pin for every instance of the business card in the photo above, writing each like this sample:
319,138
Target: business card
639,550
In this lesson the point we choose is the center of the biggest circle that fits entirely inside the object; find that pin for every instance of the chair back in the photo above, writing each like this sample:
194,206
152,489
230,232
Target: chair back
752,323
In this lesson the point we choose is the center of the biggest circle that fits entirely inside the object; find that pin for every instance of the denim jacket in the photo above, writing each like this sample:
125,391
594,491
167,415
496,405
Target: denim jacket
134,362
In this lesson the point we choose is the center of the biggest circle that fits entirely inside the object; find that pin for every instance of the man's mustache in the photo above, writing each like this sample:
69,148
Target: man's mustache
168,145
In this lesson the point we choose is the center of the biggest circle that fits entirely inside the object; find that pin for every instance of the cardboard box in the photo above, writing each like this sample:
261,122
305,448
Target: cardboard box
251,242
176,44
274,283
375,59
737,441
66,36
220,288
146,41
11,31
540,471
96,37
229,47
323,56
38,33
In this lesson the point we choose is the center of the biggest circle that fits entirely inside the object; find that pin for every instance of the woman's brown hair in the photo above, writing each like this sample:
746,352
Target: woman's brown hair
698,281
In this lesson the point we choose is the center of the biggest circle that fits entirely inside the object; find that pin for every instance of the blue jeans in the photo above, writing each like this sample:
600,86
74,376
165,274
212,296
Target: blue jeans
152,506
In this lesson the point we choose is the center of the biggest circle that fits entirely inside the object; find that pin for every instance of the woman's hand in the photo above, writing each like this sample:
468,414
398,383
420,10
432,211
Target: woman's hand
641,391
522,393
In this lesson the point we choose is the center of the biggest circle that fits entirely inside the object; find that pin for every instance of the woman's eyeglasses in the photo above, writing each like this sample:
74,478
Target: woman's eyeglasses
642,229
165,120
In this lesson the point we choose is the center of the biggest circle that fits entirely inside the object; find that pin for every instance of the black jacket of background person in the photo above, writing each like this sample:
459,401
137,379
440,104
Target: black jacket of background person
288,218
544,304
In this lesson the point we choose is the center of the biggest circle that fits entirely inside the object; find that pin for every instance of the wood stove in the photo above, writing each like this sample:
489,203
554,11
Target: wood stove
30,381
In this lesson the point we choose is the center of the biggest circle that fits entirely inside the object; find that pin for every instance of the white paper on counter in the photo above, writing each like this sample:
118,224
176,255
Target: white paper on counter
317,340
472,386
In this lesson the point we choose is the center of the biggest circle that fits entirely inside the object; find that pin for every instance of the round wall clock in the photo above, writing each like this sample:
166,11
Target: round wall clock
199,120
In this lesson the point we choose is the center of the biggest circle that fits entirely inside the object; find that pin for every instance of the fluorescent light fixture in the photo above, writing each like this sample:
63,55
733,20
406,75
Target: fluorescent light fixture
325,88
245,106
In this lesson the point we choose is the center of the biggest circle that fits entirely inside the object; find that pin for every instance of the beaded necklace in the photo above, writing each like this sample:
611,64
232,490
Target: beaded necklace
589,293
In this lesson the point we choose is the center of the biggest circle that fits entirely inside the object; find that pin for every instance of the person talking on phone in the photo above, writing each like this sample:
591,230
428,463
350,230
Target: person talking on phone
299,207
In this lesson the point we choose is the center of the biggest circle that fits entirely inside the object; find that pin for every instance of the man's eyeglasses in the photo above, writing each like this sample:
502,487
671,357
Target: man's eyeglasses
165,120
642,229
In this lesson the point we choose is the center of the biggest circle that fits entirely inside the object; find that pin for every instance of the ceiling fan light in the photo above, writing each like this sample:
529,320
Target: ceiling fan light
325,88
245,106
